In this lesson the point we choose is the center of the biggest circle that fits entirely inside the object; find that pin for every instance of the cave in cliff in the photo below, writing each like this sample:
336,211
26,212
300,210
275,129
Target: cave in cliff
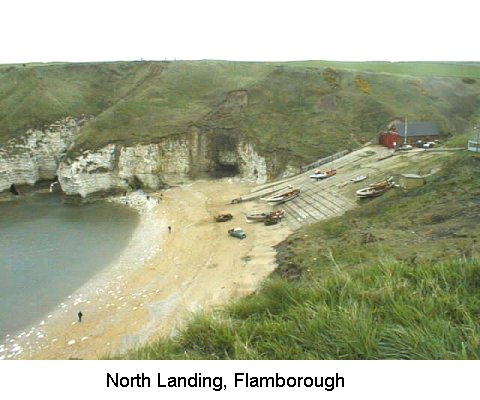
225,170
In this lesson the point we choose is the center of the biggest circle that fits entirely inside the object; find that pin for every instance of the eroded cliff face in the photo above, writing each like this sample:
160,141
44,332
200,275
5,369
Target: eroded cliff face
213,146
37,155
118,168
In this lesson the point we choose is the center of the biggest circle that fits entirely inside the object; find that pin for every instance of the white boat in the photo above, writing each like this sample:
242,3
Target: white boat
322,175
372,191
381,184
359,178
282,197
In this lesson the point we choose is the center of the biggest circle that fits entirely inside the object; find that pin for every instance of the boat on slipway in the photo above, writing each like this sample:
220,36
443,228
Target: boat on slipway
261,217
323,175
383,183
359,178
376,189
283,196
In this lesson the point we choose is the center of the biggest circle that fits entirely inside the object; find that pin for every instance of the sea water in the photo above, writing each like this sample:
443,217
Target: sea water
49,249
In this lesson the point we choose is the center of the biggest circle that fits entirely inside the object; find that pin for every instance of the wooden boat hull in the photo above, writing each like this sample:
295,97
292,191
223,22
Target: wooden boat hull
323,175
261,217
282,198
223,217
271,221
383,183
256,217
373,192
359,178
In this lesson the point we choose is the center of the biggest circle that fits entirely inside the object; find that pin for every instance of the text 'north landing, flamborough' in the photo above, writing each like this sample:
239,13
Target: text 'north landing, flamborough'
216,383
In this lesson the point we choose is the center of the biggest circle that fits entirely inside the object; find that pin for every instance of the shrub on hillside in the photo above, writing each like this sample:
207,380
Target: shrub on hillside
363,85
468,81
332,76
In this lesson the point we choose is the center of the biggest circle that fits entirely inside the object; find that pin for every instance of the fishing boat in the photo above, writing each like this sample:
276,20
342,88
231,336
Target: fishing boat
279,214
271,221
261,217
282,197
374,191
323,175
359,178
223,217
383,183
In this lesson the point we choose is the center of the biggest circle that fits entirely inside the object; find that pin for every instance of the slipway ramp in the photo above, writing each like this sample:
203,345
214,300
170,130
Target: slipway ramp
331,197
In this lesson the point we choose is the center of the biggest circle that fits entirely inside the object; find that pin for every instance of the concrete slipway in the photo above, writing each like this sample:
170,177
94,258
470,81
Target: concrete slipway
334,196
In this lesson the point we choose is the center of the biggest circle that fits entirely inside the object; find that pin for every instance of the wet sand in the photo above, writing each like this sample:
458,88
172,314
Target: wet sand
162,278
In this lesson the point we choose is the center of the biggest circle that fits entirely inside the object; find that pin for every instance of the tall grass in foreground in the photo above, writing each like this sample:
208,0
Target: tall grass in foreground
390,310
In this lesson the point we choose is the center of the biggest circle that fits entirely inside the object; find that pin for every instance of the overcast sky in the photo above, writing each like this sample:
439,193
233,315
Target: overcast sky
253,30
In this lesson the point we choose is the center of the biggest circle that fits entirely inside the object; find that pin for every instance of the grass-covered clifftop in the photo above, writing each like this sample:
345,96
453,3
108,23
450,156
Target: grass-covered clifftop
303,110
396,278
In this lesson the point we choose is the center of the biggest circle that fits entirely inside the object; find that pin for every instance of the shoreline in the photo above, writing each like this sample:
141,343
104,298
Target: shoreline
161,278
104,284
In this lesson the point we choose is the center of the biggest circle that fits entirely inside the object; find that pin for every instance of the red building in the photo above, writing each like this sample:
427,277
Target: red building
391,139
400,132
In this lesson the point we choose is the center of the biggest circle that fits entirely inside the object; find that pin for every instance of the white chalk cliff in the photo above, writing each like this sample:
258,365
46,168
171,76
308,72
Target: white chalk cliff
172,161
40,155
37,155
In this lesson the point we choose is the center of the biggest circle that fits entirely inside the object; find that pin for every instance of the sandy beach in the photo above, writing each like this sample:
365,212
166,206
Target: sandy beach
161,278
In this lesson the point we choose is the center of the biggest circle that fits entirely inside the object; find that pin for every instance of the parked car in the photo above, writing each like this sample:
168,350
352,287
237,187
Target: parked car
237,232
404,147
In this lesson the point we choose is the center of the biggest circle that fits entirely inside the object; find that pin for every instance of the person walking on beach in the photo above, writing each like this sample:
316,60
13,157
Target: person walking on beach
80,315
169,229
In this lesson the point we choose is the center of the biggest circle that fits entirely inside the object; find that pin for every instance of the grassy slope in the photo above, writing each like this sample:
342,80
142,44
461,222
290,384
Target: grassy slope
314,112
411,292
33,96
302,110
451,69
169,100
397,278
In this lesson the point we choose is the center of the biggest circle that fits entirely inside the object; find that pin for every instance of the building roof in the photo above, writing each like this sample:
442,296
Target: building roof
417,129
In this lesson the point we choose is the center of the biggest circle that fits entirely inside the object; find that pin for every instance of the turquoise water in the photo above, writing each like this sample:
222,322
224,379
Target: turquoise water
49,249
